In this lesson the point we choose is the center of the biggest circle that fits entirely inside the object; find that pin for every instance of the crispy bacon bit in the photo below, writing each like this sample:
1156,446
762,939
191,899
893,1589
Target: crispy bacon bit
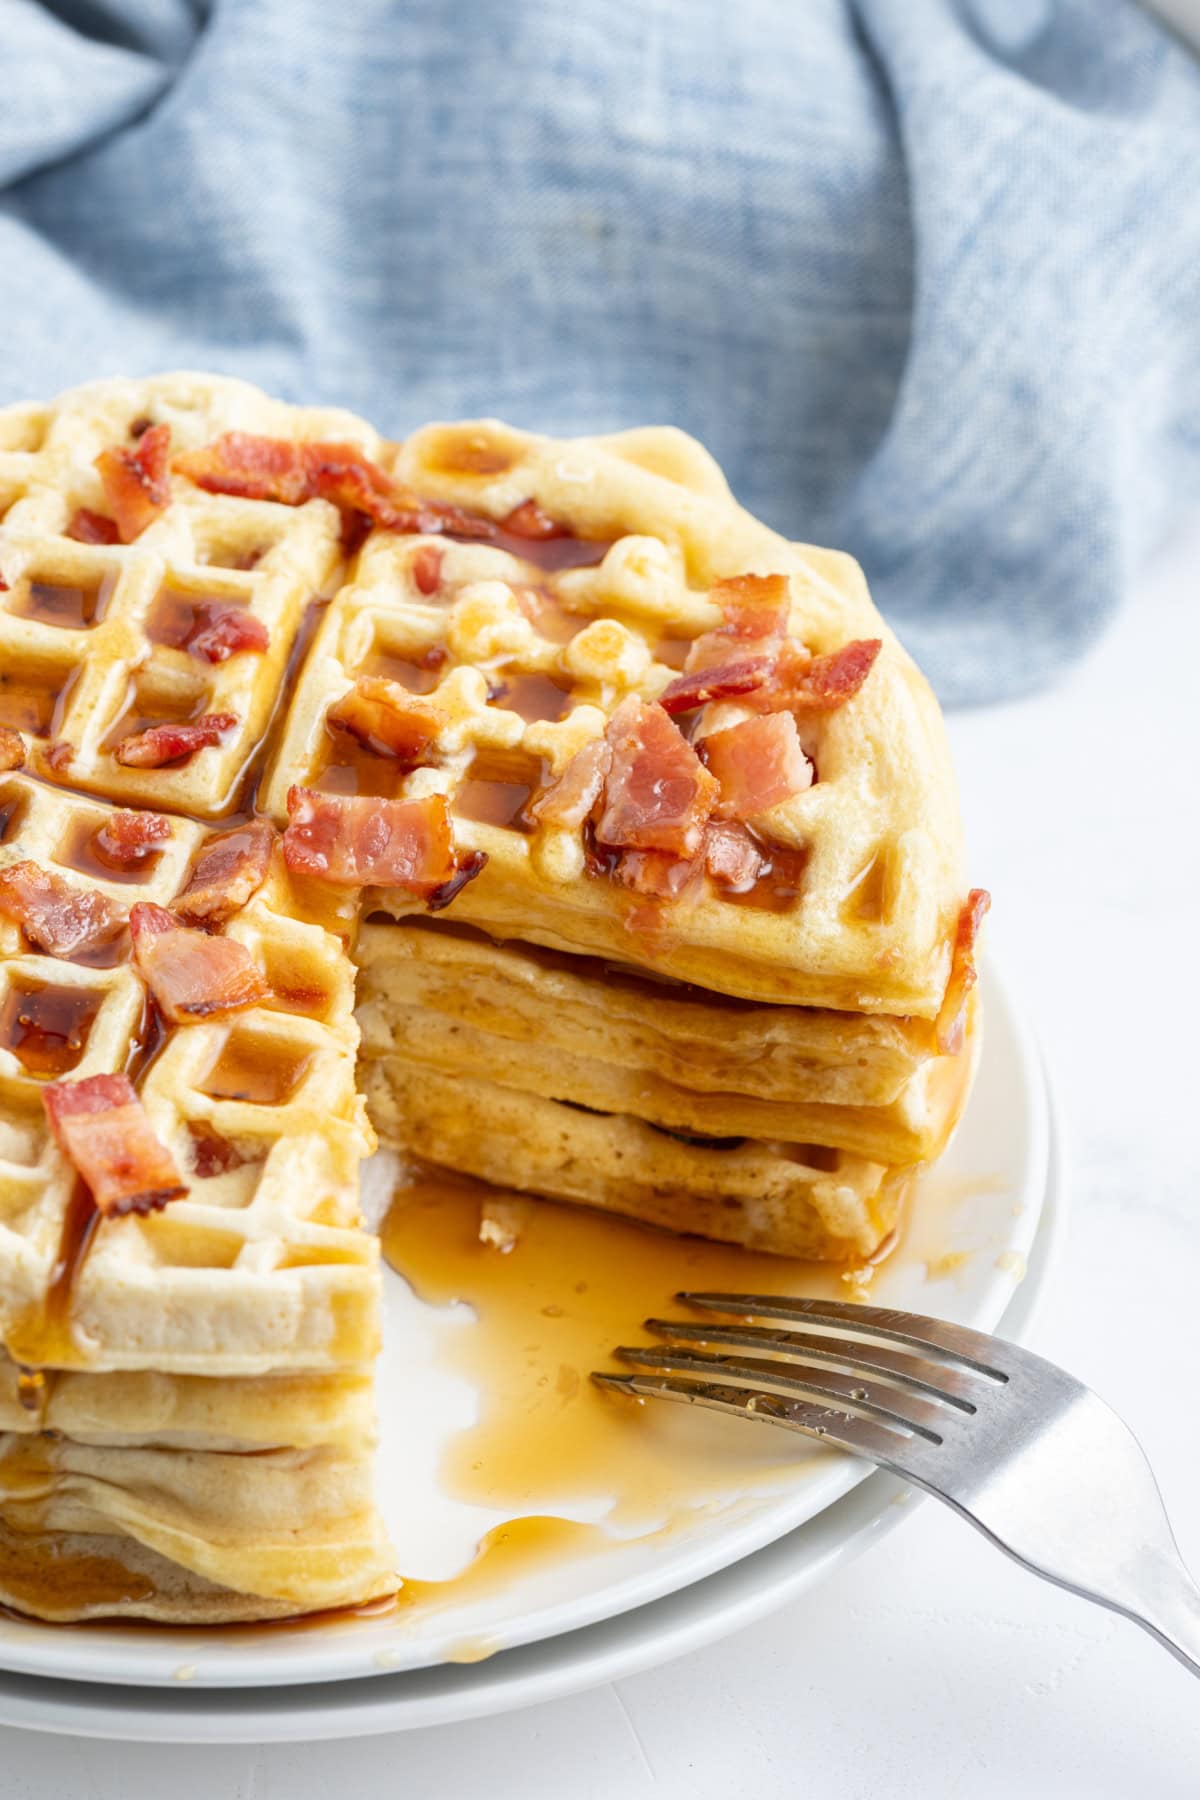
212,1154
572,797
755,606
135,482
501,1222
12,750
60,919
88,527
363,842
724,681
757,764
469,863
222,631
191,975
656,873
228,872
427,569
101,1127
732,857
952,1019
387,718
821,683
529,521
60,755
261,468
127,838
161,744
658,794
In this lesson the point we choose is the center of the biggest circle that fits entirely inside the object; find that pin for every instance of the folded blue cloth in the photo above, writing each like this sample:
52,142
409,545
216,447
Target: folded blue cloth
925,276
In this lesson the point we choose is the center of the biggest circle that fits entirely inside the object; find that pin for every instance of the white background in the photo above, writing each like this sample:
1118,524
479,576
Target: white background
932,1667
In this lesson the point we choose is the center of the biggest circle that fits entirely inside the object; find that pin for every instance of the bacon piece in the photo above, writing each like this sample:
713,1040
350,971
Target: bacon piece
952,1018
212,1154
221,631
427,569
262,468
12,750
161,744
820,683
757,763
135,482
88,527
127,838
59,756
732,858
387,718
658,794
60,919
101,1127
573,795
191,975
724,681
362,842
656,873
755,606
229,871
529,521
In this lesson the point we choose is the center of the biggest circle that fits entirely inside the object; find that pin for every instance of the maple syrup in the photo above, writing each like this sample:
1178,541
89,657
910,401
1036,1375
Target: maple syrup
83,850
69,607
249,1069
779,887
419,677
12,812
43,1338
35,703
45,1027
533,696
493,800
46,1574
672,651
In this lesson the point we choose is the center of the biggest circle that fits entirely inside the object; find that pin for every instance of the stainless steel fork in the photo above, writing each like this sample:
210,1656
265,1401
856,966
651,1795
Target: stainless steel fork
1028,1454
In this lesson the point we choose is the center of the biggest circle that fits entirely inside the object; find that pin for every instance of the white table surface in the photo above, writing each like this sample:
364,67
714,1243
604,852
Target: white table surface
932,1667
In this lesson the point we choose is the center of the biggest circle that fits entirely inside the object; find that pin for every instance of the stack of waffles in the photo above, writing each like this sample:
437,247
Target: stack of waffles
633,821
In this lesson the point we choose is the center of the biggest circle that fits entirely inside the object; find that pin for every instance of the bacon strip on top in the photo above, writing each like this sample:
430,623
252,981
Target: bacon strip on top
739,656
135,482
229,871
362,842
88,527
127,838
387,718
12,750
658,794
572,796
952,1019
60,919
820,683
192,976
757,764
160,744
101,1127
262,468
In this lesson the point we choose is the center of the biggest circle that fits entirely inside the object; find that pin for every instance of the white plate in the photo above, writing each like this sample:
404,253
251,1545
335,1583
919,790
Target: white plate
998,1165
681,1622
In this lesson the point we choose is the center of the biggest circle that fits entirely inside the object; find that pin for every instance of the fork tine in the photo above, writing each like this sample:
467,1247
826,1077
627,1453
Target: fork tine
914,1329
842,1391
906,1368
836,1429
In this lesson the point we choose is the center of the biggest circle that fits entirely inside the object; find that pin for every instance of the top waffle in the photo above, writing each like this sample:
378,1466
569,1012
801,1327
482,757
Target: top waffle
522,646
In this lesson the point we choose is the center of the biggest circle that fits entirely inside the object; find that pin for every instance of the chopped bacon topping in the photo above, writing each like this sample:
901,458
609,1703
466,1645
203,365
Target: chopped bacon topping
60,755
658,794
135,482
757,764
161,744
228,872
101,1127
656,873
191,975
387,718
362,842
755,606
820,683
60,919
732,858
221,631
427,569
212,1154
88,527
952,1019
724,681
529,521
572,797
262,468
12,750
127,838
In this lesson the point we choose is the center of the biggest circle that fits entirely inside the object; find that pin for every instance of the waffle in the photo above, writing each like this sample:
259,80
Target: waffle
186,1424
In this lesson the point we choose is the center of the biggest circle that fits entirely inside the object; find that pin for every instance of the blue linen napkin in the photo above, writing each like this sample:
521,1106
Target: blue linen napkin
925,276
